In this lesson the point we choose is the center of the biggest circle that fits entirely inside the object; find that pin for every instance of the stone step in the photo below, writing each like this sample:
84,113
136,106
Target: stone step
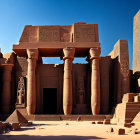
71,117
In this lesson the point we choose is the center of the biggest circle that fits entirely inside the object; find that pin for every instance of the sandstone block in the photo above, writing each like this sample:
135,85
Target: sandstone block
129,97
107,121
93,123
30,123
99,122
120,131
110,130
137,98
127,125
5,125
15,126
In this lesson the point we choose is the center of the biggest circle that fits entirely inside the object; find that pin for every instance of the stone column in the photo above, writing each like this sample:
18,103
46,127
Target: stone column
95,80
6,89
67,83
31,80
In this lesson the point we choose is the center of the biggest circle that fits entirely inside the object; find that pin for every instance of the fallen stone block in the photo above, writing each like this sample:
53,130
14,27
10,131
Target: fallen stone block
99,122
93,122
137,98
15,126
5,125
30,123
119,131
26,124
107,121
111,130
127,125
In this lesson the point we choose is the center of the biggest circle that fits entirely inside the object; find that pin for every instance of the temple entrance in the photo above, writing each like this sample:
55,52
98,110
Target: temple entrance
50,100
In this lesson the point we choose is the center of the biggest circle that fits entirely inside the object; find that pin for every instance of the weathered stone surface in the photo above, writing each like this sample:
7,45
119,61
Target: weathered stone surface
15,126
16,117
137,98
106,121
67,84
105,73
95,80
136,120
85,33
125,112
136,52
121,81
128,97
120,131
99,122
6,89
93,122
127,125
31,80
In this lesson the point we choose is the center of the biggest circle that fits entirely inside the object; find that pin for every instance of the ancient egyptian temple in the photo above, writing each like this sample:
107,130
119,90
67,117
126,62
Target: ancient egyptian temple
92,88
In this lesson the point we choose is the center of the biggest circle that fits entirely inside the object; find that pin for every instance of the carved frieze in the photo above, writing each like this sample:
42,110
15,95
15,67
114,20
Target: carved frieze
84,33
49,33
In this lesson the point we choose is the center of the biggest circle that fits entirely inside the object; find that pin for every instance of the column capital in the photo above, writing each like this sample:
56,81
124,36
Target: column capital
32,53
7,67
95,53
68,53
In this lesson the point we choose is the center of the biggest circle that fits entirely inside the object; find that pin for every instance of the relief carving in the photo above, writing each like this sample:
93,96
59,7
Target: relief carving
49,34
84,33
21,93
81,91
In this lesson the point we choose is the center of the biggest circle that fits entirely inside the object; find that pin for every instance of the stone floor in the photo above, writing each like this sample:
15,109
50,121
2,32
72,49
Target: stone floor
67,130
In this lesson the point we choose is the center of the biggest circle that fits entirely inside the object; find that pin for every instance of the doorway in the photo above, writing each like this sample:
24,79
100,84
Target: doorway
50,100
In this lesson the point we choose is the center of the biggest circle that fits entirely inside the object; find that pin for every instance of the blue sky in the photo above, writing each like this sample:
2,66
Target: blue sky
114,19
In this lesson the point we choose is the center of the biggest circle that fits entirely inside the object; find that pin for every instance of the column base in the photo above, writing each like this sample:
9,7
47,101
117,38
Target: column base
67,110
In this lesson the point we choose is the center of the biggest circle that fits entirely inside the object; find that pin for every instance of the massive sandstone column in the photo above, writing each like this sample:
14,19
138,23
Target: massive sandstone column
95,80
67,83
31,80
6,90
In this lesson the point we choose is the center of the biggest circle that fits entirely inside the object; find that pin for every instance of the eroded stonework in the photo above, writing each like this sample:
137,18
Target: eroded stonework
93,88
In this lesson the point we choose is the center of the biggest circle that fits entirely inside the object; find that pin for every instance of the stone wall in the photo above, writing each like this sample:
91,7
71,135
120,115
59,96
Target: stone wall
105,71
136,52
120,65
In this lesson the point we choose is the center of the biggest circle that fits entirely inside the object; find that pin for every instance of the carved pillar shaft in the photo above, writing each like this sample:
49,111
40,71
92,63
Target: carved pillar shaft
6,90
67,85
95,80
31,81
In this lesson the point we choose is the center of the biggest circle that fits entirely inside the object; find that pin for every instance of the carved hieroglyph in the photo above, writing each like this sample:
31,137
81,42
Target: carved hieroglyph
49,33
85,33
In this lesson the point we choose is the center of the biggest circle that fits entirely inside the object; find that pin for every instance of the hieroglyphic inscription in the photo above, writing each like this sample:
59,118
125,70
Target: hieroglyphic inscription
21,66
49,33
84,33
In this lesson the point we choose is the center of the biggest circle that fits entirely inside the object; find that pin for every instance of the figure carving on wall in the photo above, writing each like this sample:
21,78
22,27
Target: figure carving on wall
81,91
21,96
21,93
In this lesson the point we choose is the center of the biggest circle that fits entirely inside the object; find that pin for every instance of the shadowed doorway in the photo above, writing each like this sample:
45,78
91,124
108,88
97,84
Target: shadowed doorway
50,100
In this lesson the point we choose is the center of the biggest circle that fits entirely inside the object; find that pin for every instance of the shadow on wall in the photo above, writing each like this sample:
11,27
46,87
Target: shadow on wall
136,83
63,137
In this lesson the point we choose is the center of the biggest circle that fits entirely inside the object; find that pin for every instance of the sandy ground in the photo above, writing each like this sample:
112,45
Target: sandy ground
66,130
